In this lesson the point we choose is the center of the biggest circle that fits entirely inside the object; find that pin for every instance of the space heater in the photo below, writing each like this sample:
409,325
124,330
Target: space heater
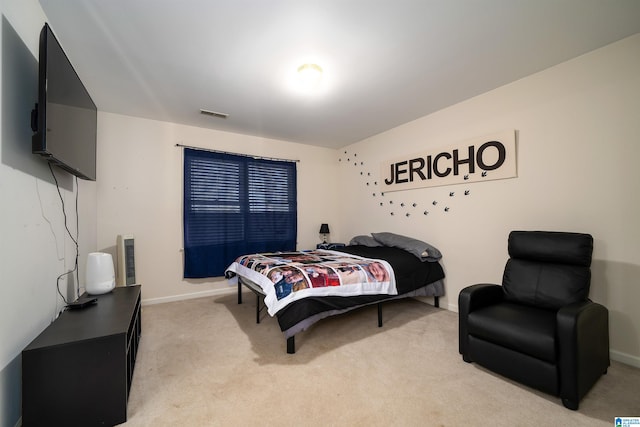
100,275
125,260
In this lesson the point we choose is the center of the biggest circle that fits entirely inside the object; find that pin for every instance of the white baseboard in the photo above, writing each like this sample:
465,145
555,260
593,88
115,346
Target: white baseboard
625,358
182,297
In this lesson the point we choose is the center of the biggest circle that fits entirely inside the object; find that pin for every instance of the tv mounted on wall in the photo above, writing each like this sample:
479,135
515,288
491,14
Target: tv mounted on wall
65,117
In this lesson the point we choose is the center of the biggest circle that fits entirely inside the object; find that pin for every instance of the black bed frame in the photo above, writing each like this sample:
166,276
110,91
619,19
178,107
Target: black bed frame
291,344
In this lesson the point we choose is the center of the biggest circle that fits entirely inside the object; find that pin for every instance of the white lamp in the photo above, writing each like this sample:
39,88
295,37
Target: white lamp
100,275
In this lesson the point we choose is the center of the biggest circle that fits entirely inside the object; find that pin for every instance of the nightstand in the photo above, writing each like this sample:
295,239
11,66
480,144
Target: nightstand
330,246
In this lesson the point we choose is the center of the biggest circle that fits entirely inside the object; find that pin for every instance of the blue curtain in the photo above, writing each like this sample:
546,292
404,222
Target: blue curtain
235,205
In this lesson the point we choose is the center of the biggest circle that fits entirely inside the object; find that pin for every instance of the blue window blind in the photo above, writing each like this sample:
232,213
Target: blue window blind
235,205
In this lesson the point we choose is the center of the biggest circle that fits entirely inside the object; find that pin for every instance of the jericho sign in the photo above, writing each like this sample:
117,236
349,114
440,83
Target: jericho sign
479,159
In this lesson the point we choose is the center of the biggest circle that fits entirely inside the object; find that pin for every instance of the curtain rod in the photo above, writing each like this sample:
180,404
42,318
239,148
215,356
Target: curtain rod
237,154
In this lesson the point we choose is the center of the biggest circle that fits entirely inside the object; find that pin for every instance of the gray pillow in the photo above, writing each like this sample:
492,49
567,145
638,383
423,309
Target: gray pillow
422,250
365,241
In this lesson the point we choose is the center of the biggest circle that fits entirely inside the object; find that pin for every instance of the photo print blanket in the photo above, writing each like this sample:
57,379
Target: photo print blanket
285,277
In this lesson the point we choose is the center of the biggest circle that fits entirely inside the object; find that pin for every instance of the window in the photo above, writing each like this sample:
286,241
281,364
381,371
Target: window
235,205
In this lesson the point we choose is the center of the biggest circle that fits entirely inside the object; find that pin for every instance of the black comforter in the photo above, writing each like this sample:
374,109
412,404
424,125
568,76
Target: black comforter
410,272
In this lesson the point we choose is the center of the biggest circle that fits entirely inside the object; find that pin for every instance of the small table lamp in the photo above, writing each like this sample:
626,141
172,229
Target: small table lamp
324,230
100,274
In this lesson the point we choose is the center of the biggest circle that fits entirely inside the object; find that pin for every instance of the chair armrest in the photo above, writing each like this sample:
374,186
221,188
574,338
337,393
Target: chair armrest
477,296
583,343
472,298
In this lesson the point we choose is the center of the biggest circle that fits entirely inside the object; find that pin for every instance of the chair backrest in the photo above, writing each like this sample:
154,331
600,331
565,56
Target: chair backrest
548,269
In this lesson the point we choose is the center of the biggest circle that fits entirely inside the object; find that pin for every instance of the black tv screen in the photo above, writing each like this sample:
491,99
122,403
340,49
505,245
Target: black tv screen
65,117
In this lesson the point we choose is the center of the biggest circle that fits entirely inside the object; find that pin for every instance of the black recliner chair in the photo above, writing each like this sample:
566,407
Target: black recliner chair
539,328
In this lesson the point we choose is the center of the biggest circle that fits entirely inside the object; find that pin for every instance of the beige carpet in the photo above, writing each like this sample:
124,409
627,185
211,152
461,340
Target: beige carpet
205,362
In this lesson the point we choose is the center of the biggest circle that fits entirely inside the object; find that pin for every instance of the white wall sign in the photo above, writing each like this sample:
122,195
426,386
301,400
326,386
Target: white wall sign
478,159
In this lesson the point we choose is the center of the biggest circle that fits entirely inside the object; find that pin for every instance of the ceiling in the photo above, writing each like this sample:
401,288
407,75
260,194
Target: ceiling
385,62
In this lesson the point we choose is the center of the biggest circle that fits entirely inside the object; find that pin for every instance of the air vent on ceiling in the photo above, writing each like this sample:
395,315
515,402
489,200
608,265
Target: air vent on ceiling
214,114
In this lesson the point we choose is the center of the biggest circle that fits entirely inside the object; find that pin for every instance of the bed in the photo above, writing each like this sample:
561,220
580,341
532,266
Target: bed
410,276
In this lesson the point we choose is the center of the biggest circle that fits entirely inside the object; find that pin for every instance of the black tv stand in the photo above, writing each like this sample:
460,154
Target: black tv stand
78,371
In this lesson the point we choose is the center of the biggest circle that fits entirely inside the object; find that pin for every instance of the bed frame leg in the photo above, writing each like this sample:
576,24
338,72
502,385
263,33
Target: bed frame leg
436,302
257,308
239,292
291,345
379,315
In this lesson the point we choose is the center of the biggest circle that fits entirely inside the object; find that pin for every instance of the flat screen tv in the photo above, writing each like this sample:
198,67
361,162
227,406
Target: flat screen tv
65,117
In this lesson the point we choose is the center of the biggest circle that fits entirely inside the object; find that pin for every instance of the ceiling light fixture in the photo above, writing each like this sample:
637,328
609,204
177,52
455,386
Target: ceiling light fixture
310,75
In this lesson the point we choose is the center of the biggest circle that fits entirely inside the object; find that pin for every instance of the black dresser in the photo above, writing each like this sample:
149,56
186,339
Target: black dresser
78,371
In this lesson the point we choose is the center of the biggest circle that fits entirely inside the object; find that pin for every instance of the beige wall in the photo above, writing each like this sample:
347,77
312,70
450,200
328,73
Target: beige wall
140,192
578,146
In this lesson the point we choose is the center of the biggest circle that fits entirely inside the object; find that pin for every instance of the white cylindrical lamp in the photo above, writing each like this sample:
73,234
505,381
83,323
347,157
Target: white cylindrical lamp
100,274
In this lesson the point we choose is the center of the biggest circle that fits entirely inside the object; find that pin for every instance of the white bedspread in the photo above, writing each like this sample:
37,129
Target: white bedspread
285,277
